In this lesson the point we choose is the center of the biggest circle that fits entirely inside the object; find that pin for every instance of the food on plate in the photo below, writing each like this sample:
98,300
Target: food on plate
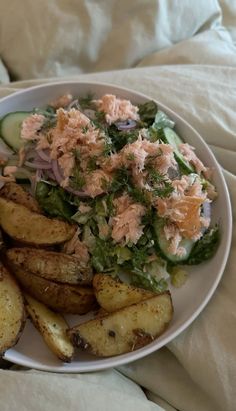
16,193
12,312
52,265
124,330
113,294
67,298
29,227
111,188
52,327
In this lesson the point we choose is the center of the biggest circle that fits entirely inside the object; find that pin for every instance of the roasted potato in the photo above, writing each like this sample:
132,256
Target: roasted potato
51,265
112,294
15,192
32,228
125,330
52,327
12,312
66,298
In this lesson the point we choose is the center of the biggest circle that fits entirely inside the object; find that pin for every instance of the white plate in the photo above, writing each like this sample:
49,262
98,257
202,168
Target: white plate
188,301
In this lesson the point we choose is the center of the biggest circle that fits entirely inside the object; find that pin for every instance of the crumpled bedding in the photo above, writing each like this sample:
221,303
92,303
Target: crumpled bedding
197,370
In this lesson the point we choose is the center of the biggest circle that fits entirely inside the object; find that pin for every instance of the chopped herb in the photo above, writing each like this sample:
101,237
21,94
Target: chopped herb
85,129
138,195
162,187
86,102
163,190
92,164
147,112
120,138
130,157
78,180
99,121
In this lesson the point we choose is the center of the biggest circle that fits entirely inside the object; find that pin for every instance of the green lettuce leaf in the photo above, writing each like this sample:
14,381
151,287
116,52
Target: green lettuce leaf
205,248
54,201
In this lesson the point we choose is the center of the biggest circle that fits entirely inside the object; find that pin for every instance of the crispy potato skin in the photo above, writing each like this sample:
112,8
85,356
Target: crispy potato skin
125,330
51,265
32,228
112,294
72,299
12,311
52,327
16,193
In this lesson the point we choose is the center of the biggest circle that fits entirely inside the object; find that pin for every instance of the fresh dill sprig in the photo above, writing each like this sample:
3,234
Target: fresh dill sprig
86,102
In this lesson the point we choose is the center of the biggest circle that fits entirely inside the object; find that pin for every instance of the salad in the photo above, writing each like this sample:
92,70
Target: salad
140,196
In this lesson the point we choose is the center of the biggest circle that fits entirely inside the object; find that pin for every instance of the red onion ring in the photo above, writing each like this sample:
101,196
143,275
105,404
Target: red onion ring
44,155
38,165
58,173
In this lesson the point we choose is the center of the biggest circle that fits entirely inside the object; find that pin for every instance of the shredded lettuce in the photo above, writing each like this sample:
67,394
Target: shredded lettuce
145,280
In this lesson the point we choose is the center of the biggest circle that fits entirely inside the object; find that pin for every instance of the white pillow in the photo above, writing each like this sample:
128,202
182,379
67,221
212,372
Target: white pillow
62,37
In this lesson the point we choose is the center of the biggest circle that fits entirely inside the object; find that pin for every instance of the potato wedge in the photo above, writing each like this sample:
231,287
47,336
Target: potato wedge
66,298
15,192
52,327
125,330
31,228
51,265
12,312
113,294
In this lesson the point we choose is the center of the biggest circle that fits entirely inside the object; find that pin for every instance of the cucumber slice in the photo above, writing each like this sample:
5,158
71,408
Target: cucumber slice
163,243
10,129
174,140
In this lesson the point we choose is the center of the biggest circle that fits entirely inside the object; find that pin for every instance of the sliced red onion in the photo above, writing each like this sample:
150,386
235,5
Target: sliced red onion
76,192
38,165
125,125
58,173
44,155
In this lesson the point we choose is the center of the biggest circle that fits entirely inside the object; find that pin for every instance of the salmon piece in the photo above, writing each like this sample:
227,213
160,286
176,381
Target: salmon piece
77,248
96,183
62,101
122,203
31,126
184,212
126,226
74,132
188,152
116,109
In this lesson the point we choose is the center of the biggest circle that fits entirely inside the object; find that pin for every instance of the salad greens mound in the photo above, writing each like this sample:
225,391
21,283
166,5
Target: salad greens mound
139,195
